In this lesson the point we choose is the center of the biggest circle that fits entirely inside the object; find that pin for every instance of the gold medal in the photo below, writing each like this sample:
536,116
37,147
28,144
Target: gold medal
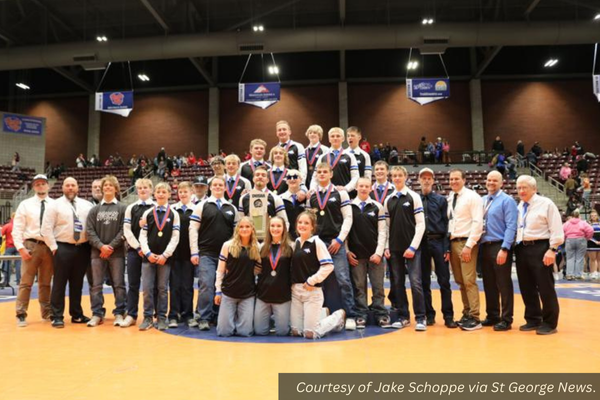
322,212
160,234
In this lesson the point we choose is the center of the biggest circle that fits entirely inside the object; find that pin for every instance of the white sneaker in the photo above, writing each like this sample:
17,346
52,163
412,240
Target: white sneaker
350,324
127,322
95,321
401,324
118,320
556,276
421,326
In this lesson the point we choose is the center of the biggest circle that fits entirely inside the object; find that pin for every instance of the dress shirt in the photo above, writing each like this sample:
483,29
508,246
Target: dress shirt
542,221
466,220
58,221
26,224
500,220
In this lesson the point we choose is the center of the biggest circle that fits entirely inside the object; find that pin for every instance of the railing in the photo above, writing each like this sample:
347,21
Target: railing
131,189
5,211
21,194
8,258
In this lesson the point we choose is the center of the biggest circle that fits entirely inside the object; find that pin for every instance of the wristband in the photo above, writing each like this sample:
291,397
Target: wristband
218,293
339,241
412,249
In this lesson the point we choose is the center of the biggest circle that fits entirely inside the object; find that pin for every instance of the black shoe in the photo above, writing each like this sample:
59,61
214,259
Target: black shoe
58,323
545,330
80,320
430,321
502,326
450,323
489,322
530,326
471,325
463,320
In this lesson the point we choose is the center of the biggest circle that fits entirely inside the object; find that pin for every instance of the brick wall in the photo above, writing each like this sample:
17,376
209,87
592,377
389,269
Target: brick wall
300,106
553,113
385,114
176,121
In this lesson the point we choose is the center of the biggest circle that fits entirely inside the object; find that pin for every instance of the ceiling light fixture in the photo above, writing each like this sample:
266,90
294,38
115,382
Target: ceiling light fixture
258,28
427,21
23,86
101,38
412,65
551,63
273,70
143,77
597,17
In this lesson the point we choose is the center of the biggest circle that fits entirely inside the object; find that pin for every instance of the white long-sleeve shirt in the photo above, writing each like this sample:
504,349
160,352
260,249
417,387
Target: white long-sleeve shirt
466,219
26,224
59,220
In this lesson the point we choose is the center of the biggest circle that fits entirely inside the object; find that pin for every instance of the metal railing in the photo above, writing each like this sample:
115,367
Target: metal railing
21,194
131,189
8,258
5,211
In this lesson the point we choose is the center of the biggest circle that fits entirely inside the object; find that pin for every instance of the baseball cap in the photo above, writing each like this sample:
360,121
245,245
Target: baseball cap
39,177
426,171
201,180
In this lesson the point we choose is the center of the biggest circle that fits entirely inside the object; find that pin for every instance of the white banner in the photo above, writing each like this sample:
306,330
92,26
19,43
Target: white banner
596,79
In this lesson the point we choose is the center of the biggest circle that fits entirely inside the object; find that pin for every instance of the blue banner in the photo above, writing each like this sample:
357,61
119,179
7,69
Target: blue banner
428,90
120,103
261,95
22,124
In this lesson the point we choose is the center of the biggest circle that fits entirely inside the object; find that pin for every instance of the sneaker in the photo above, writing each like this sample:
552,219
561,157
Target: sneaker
430,321
146,324
530,326
401,323
310,334
58,323
350,324
80,320
162,324
489,322
128,321
192,323
204,325
295,332
119,320
361,323
95,321
545,330
173,323
21,321
384,323
421,326
502,326
463,320
451,323
471,325
342,324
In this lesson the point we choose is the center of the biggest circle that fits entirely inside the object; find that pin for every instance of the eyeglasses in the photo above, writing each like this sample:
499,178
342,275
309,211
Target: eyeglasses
290,177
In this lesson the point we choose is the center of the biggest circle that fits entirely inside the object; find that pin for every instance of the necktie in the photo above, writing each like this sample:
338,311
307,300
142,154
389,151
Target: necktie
454,199
362,206
425,205
294,198
219,203
380,190
183,207
525,205
42,209
335,153
76,231
257,163
143,203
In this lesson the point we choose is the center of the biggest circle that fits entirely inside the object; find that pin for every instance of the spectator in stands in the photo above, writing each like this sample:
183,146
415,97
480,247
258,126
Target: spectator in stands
537,149
532,159
109,161
365,145
586,191
572,204
376,155
118,161
446,153
383,151
162,155
247,156
80,161
582,164
176,171
501,163
191,158
10,250
520,148
511,166
570,186
394,157
48,169
16,160
497,146
201,161
133,161
577,233
593,246
422,149
94,161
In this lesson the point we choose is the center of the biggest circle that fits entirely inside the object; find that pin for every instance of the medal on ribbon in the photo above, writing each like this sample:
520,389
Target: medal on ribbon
323,202
337,159
232,192
383,195
277,183
275,261
161,224
311,160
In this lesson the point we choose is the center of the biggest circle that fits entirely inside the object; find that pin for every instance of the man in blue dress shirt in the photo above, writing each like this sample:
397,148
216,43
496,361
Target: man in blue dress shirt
499,231
436,246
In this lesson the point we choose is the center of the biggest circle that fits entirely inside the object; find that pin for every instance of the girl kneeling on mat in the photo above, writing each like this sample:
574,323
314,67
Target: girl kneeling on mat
235,287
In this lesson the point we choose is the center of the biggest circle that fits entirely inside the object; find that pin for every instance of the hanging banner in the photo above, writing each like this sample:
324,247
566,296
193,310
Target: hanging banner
120,103
262,95
596,79
21,124
425,91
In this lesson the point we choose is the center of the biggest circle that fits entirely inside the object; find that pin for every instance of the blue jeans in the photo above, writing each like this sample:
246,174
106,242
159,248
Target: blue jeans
434,249
235,316
376,275
576,249
206,286
116,268
156,277
262,317
11,251
134,277
400,266
343,284
181,285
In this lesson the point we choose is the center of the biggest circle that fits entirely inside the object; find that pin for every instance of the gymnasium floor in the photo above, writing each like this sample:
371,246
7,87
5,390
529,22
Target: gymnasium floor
38,362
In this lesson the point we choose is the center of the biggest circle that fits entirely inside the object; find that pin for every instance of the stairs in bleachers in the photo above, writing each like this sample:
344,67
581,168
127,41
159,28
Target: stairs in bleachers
11,182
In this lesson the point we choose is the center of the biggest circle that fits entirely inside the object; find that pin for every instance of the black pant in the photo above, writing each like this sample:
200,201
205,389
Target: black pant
70,264
497,283
181,286
537,282
434,249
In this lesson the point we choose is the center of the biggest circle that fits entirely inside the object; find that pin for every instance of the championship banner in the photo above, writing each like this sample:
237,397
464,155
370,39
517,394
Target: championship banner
120,103
262,95
596,79
425,91
19,124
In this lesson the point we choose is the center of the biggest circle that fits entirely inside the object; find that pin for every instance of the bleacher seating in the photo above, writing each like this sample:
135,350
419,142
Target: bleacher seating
85,177
189,173
551,168
10,182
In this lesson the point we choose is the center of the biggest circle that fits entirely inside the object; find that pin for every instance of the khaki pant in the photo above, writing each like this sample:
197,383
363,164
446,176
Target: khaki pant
465,275
42,266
